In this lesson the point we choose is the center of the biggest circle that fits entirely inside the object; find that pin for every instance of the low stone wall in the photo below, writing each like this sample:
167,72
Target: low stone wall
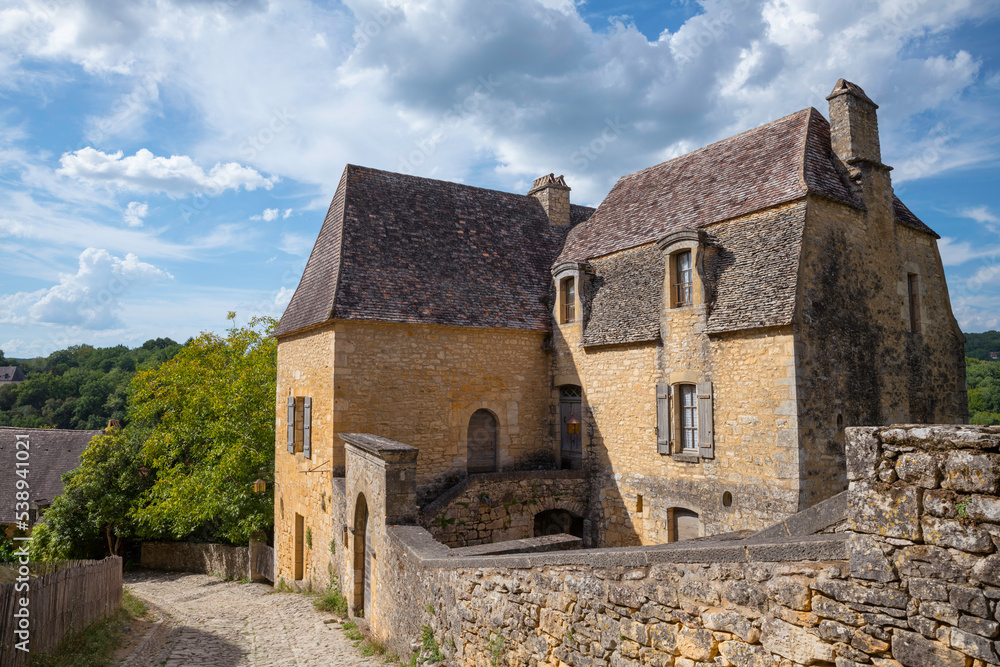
218,559
915,582
497,507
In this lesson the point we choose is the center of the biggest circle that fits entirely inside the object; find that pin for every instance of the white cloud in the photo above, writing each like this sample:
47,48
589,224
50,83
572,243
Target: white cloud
90,298
134,213
954,253
176,175
282,298
268,215
296,244
287,213
980,214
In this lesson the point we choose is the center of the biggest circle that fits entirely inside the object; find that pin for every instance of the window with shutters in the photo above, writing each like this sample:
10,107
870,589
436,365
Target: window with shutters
684,420
299,421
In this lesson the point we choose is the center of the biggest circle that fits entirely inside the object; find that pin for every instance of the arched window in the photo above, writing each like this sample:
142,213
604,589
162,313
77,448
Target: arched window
482,442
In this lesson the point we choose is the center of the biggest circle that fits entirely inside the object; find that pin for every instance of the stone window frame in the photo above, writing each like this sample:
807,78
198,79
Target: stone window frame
562,274
669,410
672,246
913,314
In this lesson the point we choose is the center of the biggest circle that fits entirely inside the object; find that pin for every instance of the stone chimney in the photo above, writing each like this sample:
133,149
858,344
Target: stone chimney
854,138
553,193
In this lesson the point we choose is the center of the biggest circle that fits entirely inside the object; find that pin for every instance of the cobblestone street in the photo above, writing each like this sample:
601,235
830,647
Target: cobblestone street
204,620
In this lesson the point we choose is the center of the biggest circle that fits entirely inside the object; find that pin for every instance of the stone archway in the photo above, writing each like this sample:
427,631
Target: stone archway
361,598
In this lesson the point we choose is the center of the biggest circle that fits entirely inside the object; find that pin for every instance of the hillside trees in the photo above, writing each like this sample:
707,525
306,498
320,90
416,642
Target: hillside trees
199,430
983,378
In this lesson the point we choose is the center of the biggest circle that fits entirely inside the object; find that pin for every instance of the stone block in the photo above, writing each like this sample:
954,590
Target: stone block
635,631
983,508
928,589
732,622
791,592
626,596
973,645
699,645
928,562
663,637
979,626
745,655
970,600
824,607
973,472
918,468
889,511
844,591
745,594
941,611
867,560
914,650
794,643
699,591
868,644
925,626
950,533
835,632
553,622
863,452
988,570
941,503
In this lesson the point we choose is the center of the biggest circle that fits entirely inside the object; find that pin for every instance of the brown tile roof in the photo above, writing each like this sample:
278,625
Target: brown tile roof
51,453
400,248
770,165
11,374
623,297
905,217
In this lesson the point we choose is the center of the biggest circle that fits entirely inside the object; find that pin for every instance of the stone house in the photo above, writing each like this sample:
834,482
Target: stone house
684,359
11,375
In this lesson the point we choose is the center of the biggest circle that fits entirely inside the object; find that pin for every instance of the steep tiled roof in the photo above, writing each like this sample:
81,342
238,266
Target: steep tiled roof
770,165
400,248
11,374
904,216
51,453
624,293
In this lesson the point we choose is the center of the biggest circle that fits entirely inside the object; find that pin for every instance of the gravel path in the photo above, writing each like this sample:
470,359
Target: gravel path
204,620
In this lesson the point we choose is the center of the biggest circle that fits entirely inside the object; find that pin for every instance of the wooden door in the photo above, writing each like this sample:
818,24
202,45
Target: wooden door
571,426
687,525
367,603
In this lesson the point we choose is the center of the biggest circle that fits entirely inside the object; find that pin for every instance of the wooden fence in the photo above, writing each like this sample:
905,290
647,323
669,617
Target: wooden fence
261,561
64,598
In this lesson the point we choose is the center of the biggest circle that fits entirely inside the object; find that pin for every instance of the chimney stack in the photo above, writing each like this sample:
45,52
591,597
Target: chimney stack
854,139
553,193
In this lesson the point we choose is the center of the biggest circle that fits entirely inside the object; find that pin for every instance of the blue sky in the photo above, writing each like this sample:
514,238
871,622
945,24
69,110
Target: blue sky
163,163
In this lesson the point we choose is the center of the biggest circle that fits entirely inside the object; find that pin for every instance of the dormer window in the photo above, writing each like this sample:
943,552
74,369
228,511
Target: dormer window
683,280
568,304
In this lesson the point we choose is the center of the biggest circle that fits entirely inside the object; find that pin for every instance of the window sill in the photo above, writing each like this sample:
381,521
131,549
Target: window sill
685,457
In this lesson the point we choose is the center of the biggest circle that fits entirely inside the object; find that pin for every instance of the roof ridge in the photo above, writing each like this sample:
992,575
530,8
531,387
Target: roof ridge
53,430
716,143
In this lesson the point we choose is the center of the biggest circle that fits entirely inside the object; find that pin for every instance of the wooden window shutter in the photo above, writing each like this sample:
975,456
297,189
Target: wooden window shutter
291,424
706,431
663,418
307,427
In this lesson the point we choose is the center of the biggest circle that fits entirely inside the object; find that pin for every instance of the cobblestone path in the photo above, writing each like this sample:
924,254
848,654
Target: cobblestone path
205,620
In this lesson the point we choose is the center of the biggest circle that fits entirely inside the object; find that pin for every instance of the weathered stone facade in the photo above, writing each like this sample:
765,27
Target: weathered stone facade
916,582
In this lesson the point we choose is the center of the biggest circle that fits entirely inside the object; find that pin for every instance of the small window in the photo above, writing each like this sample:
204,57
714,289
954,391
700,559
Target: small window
299,420
913,288
688,417
683,280
568,305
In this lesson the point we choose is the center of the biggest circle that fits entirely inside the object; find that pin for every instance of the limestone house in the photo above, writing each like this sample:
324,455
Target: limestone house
11,375
681,361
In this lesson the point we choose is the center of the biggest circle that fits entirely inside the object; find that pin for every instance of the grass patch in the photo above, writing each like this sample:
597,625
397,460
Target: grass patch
96,644
352,631
370,647
431,650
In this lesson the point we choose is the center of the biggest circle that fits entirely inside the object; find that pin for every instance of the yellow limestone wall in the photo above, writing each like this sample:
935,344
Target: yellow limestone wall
415,383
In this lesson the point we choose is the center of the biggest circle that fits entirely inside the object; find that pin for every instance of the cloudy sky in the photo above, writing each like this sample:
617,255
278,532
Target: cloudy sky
165,162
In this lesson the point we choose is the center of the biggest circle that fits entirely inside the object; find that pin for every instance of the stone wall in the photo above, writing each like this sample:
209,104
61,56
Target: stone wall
497,507
218,559
916,582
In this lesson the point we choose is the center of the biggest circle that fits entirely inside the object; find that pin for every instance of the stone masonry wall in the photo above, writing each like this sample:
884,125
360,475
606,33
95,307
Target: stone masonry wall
218,559
497,507
916,583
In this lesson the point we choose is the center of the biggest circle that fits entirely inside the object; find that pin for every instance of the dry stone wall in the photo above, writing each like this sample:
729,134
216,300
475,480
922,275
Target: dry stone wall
204,558
497,507
916,582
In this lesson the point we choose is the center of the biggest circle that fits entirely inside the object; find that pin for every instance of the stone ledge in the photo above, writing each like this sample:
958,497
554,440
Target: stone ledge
482,478
809,521
430,553
384,448
561,542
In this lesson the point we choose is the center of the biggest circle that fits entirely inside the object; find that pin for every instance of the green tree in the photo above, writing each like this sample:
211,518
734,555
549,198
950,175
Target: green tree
207,422
983,379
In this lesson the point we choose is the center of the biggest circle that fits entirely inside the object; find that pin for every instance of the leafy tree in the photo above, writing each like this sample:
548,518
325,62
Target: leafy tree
983,378
979,345
208,432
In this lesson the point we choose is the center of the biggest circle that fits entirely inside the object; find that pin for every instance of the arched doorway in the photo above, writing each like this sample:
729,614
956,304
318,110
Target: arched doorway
685,524
570,426
482,442
362,558
556,521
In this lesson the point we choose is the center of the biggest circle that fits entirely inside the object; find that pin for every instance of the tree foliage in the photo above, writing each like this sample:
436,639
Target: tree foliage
979,345
983,378
199,430
81,387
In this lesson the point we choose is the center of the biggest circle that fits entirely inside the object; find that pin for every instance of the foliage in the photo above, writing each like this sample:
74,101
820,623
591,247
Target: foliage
332,600
983,378
206,420
429,646
95,645
979,345
8,545
199,430
81,387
